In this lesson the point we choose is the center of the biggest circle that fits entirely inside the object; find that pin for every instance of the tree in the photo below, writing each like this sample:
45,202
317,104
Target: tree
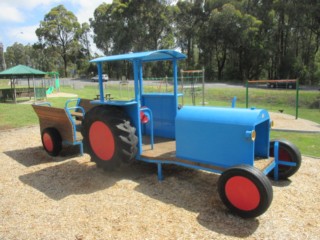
231,39
250,48
226,32
84,40
36,56
45,58
3,65
16,54
304,39
129,26
188,20
110,28
60,30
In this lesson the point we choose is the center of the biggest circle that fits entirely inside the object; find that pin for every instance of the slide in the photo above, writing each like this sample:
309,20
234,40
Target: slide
50,90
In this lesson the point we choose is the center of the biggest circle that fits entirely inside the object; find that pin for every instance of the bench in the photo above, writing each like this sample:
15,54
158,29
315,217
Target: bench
24,93
62,121
14,94
107,97
7,94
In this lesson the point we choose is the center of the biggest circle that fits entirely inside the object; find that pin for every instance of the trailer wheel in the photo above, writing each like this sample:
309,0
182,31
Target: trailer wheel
245,190
288,152
51,141
109,137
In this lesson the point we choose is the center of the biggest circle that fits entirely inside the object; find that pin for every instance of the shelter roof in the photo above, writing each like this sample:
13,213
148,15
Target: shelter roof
21,71
149,56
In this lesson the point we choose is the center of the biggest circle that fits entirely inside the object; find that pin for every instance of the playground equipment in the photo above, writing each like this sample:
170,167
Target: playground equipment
282,83
153,128
61,126
54,82
190,80
124,83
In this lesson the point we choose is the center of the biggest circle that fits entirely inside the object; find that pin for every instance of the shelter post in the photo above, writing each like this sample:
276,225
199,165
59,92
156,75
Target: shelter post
14,91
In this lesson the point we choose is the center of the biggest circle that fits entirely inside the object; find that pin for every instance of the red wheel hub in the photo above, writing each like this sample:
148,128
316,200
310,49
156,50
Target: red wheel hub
284,156
102,140
47,142
242,193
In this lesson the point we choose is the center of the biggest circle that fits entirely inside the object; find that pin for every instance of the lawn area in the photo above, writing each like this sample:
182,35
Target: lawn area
308,143
20,115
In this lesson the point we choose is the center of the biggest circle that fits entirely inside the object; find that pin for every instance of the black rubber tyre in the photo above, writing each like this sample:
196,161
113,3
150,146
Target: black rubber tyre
245,190
51,141
287,152
108,136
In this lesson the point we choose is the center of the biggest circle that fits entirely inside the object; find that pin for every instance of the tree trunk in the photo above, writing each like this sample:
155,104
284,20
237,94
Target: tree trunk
221,61
65,62
240,64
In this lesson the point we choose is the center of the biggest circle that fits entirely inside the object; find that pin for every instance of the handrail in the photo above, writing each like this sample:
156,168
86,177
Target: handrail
72,100
72,120
149,112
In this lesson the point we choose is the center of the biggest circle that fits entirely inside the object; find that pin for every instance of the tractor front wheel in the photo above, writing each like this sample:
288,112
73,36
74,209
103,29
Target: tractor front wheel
288,152
245,190
109,137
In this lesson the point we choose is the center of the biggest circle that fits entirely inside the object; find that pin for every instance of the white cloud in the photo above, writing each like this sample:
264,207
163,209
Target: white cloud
25,34
30,4
14,10
86,8
19,19
17,10
85,12
10,13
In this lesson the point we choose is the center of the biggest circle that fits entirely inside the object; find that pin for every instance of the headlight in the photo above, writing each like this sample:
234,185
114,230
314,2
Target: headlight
271,123
251,134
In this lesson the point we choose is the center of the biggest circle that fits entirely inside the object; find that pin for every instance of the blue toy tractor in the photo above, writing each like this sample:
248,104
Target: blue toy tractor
154,128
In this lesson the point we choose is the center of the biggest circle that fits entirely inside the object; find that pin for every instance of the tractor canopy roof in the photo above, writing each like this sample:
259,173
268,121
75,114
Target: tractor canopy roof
149,56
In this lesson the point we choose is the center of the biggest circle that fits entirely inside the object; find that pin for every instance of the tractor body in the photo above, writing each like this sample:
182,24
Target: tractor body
153,127
223,137
231,141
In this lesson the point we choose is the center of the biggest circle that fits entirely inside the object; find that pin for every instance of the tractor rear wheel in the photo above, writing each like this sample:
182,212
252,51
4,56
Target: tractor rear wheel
288,152
51,141
109,138
245,190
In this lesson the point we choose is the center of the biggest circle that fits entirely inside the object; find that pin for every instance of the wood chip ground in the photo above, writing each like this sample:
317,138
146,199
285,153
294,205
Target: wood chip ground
69,198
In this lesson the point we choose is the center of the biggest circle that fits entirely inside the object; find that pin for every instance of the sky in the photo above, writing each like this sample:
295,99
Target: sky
19,19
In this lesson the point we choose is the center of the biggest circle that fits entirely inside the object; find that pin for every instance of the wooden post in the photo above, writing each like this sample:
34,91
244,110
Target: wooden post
203,86
14,91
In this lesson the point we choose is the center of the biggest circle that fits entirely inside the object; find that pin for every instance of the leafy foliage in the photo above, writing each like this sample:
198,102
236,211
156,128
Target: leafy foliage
232,39
125,26
60,30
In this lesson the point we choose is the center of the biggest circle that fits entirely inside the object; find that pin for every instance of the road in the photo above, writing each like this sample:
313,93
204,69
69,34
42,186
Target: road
80,83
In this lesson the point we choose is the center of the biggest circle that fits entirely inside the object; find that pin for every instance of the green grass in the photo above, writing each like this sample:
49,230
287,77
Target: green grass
4,83
16,115
20,115
308,143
